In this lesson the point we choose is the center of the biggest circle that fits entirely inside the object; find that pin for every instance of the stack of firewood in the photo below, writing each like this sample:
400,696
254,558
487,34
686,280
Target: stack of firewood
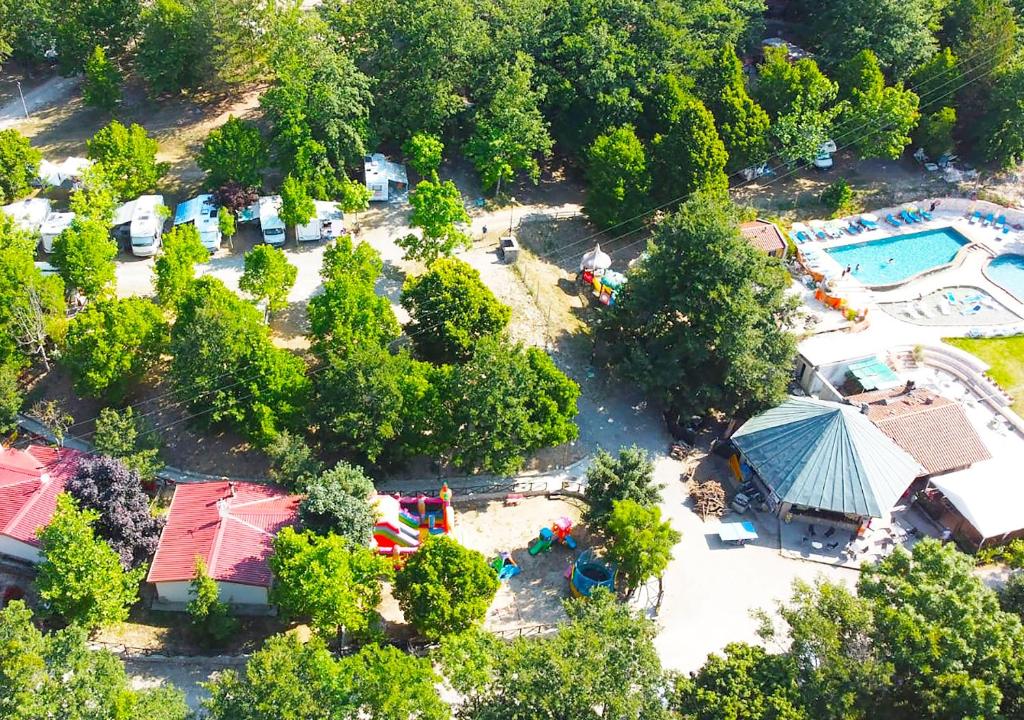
708,498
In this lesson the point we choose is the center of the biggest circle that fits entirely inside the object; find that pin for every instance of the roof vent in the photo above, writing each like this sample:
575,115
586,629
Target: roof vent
865,408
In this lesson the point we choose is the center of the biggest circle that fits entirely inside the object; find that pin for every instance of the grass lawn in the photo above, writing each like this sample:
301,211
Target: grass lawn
1006,356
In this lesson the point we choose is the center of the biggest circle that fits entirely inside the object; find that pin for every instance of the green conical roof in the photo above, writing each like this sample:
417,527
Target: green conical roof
828,456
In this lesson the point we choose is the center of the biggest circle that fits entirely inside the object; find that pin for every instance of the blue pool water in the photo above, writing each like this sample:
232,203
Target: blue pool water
1008,272
910,255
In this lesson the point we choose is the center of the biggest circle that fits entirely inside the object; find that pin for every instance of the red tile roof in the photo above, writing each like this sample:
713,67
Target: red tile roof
230,525
763,235
934,429
30,481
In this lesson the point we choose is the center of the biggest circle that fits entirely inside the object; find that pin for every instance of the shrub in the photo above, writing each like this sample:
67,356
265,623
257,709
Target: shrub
630,476
339,501
209,615
838,197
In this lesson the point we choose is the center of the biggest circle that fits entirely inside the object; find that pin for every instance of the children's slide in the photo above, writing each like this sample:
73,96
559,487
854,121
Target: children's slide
398,535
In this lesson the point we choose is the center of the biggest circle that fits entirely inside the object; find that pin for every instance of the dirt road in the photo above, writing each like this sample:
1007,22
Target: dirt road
41,97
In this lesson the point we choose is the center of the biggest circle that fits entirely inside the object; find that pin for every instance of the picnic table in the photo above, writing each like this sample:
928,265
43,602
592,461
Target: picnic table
737,533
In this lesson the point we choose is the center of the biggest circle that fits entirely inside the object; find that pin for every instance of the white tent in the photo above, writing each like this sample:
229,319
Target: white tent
989,495
70,170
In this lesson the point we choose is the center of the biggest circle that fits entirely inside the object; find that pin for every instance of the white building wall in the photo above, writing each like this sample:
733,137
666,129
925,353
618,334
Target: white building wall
234,593
17,549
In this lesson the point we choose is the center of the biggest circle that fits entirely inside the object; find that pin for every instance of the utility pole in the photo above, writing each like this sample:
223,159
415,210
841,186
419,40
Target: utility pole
511,209
23,105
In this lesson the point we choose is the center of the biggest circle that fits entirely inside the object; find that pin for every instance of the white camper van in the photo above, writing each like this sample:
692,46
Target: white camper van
54,225
202,212
328,223
271,223
147,225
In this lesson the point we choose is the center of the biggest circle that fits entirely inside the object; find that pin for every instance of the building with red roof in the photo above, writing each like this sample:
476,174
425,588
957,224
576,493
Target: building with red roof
30,481
231,526
765,236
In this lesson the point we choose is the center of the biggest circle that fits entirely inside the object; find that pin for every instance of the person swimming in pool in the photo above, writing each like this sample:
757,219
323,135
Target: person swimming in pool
857,269
892,260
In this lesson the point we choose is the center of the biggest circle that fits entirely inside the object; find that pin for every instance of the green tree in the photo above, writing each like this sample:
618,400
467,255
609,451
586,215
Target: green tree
84,254
451,309
898,33
102,85
338,501
883,116
640,543
319,102
934,133
176,46
81,578
11,398
268,276
952,651
630,476
28,29
424,151
292,680
128,157
618,180
31,305
112,343
510,132
1002,126
131,439
297,206
226,223
440,38
1011,596
689,156
504,403
732,354
438,210
209,616
745,681
240,30
938,73
445,587
175,266
353,196
57,675
376,405
801,102
227,370
742,124
19,164
81,25
234,152
349,312
293,463
334,583
623,676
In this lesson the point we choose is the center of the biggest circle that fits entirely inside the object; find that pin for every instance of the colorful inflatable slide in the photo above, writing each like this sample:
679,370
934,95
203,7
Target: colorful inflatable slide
405,522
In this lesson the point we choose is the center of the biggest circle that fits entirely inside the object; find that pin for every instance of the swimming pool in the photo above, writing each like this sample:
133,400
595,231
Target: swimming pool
890,261
1007,271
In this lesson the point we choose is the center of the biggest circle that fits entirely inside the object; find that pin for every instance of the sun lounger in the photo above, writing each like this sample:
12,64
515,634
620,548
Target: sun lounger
974,309
972,298
906,217
975,217
925,214
804,237
833,231
820,234
951,297
913,212
1000,222
854,229
892,221
870,222
987,221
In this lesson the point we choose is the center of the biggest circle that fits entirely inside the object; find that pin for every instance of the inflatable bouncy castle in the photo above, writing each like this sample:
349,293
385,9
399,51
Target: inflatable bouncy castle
405,522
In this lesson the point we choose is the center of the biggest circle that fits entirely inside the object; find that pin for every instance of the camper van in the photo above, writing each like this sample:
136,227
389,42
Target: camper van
54,225
147,225
28,214
328,223
202,212
271,223
385,180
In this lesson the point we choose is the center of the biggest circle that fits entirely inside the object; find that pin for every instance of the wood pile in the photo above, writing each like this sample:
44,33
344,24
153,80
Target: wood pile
708,498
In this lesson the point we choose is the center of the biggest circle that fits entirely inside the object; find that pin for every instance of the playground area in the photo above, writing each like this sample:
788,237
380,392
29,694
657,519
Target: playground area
534,595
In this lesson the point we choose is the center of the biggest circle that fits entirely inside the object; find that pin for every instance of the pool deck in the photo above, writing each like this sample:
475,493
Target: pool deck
965,271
